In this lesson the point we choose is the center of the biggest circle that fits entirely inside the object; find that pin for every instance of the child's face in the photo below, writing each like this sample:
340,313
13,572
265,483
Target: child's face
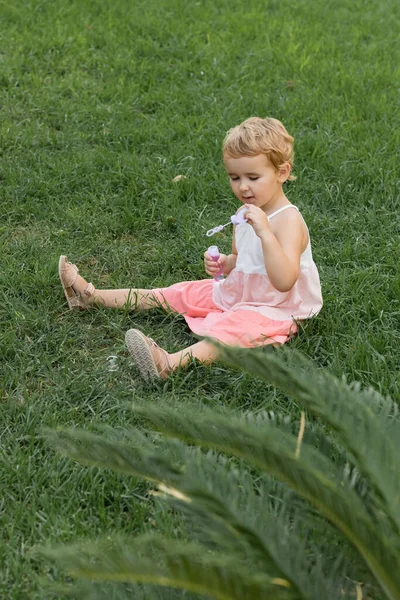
254,180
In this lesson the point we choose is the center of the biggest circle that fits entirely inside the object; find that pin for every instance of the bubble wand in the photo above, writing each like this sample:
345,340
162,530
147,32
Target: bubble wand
237,219
213,251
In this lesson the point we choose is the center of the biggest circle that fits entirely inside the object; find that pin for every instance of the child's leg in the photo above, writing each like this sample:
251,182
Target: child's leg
135,299
154,362
87,294
203,351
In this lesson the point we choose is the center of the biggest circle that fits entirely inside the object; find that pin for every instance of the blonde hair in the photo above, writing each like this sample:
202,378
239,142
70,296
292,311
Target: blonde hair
261,136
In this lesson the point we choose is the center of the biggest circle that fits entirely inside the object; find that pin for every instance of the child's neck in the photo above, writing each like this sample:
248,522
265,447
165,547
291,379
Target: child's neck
276,204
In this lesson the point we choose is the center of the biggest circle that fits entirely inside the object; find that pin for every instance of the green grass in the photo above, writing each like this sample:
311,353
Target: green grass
103,103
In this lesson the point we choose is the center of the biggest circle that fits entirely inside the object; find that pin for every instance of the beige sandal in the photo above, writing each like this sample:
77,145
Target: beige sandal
153,362
67,273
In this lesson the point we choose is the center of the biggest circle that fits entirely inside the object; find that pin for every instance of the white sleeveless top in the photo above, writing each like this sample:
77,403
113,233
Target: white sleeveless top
248,287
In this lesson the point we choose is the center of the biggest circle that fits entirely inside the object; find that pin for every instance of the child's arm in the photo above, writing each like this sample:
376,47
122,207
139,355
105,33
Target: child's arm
226,261
231,259
283,248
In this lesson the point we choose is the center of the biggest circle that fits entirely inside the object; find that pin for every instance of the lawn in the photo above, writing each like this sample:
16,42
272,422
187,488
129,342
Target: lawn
103,105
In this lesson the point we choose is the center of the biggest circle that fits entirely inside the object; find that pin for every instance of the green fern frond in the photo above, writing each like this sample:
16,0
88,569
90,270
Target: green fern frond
258,518
282,546
92,590
152,559
243,534
92,449
274,452
191,482
361,419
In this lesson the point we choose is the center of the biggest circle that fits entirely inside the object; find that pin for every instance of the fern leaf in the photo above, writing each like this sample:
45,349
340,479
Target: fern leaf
152,559
274,452
92,449
89,448
361,419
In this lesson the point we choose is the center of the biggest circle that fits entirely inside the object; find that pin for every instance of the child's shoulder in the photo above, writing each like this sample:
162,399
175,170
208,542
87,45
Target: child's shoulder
290,214
289,223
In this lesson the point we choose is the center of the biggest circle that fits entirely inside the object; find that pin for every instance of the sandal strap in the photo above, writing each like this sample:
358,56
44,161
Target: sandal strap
75,301
167,365
89,290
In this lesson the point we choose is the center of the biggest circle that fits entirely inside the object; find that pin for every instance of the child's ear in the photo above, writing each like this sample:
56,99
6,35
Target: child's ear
284,172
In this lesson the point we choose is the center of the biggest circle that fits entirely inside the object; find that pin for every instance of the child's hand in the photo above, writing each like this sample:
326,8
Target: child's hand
212,266
257,219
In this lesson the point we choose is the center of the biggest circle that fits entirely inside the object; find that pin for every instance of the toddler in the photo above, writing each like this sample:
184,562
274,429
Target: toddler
271,279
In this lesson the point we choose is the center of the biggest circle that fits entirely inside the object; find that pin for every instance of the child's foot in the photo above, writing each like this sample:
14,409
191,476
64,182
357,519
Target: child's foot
78,292
153,362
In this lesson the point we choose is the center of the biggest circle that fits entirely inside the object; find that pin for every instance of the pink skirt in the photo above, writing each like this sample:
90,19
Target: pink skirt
246,328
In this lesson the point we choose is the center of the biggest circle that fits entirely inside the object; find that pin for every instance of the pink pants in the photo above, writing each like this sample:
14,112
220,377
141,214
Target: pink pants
247,328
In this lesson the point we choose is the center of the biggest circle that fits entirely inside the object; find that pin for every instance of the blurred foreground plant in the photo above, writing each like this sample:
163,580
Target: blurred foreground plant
273,510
